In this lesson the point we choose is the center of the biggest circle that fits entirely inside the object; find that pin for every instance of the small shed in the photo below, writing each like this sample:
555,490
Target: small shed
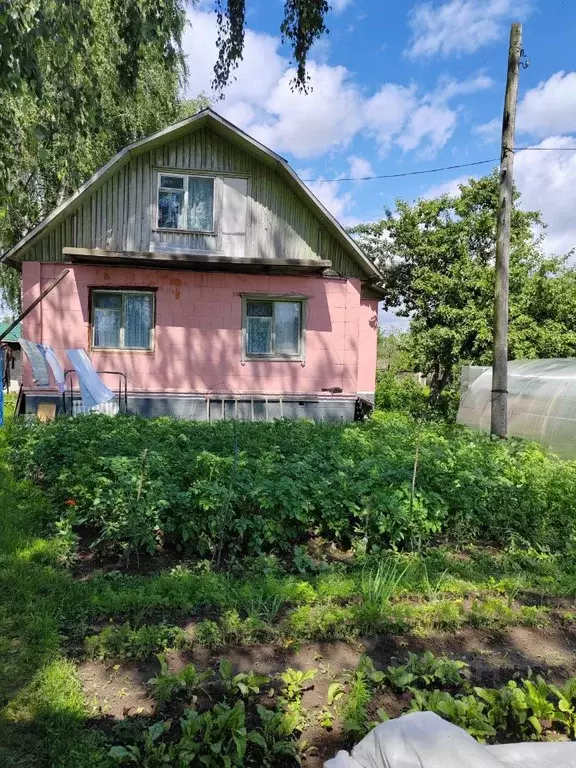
12,374
541,402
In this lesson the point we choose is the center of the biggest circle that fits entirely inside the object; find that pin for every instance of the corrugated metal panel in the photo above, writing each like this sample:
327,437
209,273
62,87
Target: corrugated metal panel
277,222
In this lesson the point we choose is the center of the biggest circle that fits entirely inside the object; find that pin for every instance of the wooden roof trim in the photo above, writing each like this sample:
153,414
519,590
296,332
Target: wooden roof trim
172,132
195,260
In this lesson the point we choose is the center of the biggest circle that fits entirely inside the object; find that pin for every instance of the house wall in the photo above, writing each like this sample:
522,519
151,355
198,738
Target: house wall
367,346
198,338
258,215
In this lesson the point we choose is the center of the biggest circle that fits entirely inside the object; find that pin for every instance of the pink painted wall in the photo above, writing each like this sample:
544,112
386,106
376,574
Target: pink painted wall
367,345
198,330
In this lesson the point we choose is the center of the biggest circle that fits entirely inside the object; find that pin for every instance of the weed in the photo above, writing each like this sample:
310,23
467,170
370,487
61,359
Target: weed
188,680
244,684
208,633
380,585
123,642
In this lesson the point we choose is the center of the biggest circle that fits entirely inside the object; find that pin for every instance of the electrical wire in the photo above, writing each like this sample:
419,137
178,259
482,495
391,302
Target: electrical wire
436,170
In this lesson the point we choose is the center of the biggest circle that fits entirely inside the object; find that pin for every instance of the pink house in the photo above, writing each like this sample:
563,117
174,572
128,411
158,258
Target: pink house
206,272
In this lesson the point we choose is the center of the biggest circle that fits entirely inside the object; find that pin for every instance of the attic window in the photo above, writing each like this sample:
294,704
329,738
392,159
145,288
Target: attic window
185,202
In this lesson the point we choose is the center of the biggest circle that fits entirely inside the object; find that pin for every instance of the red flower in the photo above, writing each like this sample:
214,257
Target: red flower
70,502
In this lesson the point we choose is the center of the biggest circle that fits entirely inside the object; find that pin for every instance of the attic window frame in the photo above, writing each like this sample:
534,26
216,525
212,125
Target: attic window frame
185,190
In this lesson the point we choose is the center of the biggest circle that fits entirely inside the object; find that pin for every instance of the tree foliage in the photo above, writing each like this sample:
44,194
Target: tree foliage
303,24
80,79
438,260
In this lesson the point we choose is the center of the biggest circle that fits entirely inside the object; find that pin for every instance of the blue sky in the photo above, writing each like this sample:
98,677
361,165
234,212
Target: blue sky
408,85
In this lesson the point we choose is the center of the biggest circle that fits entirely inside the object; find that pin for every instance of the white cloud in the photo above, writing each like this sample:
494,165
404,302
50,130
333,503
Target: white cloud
436,123
309,124
450,187
360,168
337,201
550,108
546,182
339,5
448,87
261,99
489,131
401,114
260,69
460,26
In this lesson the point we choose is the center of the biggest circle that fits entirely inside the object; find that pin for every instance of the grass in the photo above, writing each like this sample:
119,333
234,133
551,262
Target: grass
42,710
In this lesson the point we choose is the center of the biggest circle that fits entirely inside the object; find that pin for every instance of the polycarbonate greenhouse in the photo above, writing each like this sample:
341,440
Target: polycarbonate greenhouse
541,402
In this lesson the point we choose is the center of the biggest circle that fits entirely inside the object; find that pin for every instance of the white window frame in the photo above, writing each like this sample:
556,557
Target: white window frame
300,356
184,214
123,347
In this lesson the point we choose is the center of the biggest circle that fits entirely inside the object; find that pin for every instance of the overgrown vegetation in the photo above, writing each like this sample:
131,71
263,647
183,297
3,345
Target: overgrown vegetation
265,589
210,490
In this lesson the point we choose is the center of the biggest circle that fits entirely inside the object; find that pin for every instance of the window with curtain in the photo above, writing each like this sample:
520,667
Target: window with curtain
122,319
273,328
185,202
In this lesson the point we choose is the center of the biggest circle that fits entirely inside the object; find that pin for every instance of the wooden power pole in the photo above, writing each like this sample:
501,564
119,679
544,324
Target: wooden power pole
499,415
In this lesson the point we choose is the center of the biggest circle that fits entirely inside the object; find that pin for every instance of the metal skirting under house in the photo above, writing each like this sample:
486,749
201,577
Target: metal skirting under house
218,407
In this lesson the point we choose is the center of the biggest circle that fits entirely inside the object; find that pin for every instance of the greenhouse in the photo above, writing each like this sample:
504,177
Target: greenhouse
541,402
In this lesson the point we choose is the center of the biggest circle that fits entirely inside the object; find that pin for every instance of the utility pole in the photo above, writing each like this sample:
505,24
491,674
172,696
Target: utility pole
499,414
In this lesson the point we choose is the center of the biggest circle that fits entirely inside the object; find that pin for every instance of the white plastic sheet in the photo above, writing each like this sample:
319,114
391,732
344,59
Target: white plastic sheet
425,740
541,402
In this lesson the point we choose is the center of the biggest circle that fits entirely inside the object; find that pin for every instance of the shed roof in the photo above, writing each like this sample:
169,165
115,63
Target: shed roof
14,334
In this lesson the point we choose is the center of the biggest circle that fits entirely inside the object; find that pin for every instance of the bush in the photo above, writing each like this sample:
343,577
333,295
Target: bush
238,489
400,394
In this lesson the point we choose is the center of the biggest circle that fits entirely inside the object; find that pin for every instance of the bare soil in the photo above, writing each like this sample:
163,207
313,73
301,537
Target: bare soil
119,691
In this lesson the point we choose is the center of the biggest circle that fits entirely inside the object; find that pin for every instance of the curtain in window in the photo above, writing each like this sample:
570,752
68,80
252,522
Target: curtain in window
170,206
107,319
259,316
200,204
137,320
287,327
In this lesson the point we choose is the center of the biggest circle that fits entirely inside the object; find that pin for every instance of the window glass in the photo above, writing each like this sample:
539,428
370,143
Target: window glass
122,320
170,208
287,327
172,182
259,327
260,309
200,204
137,320
273,328
107,319
186,202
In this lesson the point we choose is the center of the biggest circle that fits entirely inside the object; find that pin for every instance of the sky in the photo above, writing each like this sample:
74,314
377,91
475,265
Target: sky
404,85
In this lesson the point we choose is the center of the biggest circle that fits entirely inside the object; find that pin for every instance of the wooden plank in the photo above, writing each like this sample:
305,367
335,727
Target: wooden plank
196,258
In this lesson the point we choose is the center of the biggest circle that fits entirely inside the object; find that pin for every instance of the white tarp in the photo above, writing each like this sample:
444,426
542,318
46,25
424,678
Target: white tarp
425,740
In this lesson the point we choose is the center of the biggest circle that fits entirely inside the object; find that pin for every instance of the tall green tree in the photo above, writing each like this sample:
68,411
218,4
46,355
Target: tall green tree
79,79
437,257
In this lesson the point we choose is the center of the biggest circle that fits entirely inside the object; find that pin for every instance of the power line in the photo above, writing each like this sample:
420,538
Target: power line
545,149
436,170
408,173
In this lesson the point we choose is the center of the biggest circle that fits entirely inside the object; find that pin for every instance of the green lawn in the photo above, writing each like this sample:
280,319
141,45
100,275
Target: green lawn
43,712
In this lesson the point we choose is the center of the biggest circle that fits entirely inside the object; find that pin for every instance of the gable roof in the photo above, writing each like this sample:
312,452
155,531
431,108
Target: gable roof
208,118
